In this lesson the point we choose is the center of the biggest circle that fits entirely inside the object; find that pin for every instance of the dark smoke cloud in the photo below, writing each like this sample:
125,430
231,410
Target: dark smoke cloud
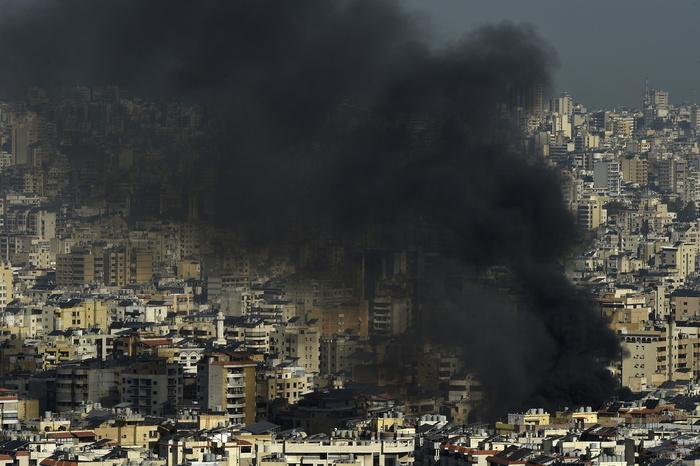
343,115
541,349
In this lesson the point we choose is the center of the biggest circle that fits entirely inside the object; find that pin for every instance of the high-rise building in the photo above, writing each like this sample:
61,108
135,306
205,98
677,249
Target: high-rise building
297,341
334,352
152,386
24,134
527,95
142,263
75,268
695,117
115,268
606,176
561,125
672,173
679,258
391,314
590,213
6,288
655,98
563,105
226,383
81,382
283,381
635,170
30,220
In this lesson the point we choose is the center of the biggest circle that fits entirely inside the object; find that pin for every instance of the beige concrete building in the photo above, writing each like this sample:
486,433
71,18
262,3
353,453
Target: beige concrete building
75,269
130,430
396,451
635,170
149,383
81,314
9,413
644,354
628,312
335,352
590,213
685,304
78,384
281,382
207,448
6,287
341,318
226,382
142,266
299,342
72,345
664,353
189,269
678,259
391,314
115,268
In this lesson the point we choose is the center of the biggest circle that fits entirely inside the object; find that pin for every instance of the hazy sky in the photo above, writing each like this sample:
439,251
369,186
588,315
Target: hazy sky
605,47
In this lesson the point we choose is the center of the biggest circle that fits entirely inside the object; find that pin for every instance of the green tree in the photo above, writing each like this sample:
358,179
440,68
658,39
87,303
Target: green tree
613,207
673,205
688,213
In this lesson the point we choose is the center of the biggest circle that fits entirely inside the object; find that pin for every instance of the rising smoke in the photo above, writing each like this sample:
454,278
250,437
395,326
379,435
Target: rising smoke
344,115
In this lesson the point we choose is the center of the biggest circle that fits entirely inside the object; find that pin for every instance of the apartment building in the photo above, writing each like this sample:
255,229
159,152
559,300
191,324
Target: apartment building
226,382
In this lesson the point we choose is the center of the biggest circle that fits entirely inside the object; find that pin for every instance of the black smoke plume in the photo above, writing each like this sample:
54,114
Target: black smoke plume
344,116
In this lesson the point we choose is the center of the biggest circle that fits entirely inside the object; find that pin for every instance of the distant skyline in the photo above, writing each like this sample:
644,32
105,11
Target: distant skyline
605,49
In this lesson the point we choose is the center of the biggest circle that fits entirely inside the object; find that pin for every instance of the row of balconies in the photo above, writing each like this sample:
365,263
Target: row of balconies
76,386
358,447
140,382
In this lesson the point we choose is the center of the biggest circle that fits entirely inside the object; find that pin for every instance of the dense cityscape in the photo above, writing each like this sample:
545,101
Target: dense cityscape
135,328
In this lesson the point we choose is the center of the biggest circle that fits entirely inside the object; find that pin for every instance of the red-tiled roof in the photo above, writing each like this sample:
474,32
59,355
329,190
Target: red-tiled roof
50,462
159,342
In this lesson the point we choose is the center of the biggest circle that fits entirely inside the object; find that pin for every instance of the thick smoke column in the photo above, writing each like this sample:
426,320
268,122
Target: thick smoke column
341,114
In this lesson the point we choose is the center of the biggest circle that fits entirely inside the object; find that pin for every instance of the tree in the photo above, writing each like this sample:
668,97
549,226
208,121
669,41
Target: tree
688,213
673,205
613,207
